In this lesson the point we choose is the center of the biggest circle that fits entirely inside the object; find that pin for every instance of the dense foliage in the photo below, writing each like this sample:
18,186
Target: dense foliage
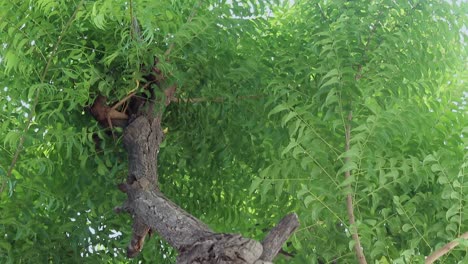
266,91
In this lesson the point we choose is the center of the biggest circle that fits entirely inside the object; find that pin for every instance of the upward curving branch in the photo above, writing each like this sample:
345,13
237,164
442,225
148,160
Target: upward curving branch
349,198
151,210
444,250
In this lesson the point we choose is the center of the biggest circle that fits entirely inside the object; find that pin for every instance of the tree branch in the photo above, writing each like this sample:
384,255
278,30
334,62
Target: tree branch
349,198
151,210
444,250
278,235
215,99
189,19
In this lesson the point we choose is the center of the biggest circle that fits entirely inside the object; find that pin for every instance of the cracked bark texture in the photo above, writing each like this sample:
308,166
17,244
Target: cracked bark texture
151,210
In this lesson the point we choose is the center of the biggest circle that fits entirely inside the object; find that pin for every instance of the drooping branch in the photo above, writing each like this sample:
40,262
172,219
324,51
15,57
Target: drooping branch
444,250
349,198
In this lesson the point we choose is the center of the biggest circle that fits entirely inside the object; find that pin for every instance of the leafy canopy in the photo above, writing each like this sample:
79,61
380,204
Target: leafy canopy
265,89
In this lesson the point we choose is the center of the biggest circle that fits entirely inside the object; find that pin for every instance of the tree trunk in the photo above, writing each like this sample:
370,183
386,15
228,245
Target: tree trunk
151,210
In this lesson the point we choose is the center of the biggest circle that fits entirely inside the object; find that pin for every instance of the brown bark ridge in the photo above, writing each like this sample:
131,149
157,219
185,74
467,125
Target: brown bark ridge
151,210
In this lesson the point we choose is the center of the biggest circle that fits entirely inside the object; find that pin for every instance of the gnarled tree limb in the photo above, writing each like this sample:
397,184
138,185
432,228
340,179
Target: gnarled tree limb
151,210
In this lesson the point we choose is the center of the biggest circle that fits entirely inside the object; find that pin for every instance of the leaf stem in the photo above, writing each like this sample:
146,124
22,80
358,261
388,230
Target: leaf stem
189,19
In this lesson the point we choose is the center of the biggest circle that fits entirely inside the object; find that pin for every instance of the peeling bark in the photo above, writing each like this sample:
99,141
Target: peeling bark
151,210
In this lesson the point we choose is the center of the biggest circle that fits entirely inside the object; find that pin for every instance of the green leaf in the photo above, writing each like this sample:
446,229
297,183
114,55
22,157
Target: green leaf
332,81
429,158
11,61
351,244
406,227
309,199
451,228
331,73
255,183
442,179
436,167
348,181
453,210
5,245
169,15
462,242
102,169
279,185
332,97
288,117
292,144
70,74
352,153
109,59
302,192
277,109
264,189
11,139
348,166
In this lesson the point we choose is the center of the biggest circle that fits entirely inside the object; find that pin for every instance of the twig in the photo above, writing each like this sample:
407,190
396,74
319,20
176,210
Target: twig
36,97
215,99
444,250
189,19
349,198
135,27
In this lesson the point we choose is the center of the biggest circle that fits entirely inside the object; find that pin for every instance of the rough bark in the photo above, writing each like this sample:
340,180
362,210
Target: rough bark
221,248
278,235
141,140
151,210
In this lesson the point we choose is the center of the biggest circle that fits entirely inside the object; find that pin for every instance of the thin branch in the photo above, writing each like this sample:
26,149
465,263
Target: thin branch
135,27
189,19
36,96
215,99
349,198
444,250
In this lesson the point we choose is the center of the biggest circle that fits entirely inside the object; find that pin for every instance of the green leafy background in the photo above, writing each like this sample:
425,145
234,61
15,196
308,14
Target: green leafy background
276,80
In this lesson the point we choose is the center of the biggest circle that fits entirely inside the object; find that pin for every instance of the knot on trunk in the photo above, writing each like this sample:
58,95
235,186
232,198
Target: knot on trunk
222,248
